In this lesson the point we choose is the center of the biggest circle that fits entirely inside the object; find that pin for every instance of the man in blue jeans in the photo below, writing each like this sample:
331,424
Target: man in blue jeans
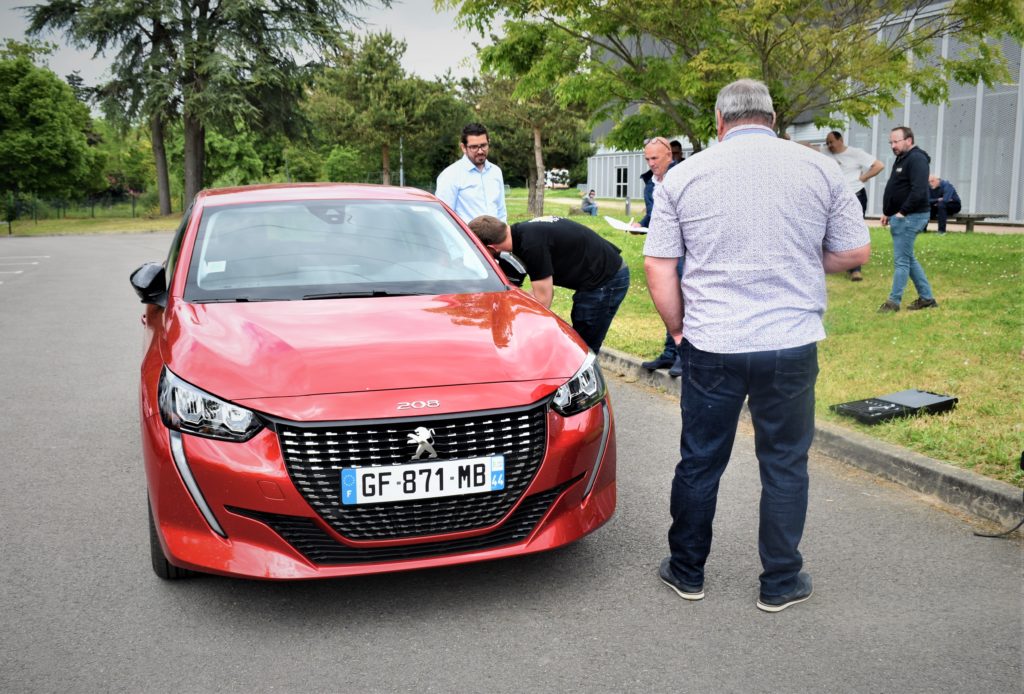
559,251
753,289
906,210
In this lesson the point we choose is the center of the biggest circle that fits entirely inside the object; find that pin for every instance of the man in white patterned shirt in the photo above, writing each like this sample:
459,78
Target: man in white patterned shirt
760,220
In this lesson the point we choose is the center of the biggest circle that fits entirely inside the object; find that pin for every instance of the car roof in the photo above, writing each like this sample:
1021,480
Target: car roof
281,192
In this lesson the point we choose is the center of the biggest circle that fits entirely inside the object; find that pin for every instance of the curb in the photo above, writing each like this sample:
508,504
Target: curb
986,498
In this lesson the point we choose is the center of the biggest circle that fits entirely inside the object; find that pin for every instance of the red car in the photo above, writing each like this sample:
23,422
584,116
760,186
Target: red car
341,380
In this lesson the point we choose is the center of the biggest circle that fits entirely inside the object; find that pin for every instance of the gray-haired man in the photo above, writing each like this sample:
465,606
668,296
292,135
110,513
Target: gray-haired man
753,287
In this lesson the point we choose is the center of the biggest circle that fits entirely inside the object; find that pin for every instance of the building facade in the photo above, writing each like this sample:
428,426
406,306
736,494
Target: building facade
975,141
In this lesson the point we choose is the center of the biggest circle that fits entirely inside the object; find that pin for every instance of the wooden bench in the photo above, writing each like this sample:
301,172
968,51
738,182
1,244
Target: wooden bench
969,218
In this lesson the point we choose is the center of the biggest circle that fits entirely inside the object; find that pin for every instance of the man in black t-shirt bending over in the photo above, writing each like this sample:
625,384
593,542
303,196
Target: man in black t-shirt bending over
561,252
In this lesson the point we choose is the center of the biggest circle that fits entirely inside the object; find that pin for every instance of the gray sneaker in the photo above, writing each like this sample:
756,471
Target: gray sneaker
684,591
889,307
799,594
919,303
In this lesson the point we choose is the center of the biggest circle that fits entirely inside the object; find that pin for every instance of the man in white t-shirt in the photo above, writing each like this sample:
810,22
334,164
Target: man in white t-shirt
857,166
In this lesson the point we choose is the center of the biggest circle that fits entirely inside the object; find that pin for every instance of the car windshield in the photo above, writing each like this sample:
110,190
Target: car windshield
333,249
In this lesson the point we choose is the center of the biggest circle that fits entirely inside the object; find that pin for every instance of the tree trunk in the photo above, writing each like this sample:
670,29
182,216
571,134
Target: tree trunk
385,160
531,188
195,147
163,183
536,205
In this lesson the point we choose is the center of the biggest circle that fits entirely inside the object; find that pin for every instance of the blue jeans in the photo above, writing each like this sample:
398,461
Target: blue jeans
904,232
779,387
593,309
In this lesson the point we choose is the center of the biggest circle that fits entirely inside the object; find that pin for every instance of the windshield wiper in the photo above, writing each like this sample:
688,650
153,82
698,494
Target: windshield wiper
356,295
234,299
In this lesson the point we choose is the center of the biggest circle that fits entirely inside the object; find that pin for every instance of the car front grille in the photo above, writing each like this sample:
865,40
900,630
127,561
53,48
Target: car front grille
315,454
320,548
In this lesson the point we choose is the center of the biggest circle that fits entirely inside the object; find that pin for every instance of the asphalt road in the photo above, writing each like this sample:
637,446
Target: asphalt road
906,599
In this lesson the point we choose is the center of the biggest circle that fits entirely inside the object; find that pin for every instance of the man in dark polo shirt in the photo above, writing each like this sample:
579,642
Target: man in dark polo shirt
561,252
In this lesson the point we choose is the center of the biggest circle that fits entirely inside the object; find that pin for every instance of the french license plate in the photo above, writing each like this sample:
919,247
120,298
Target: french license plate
428,480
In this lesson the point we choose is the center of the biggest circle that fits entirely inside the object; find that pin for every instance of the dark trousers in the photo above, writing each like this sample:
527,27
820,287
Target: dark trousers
594,309
862,197
941,211
779,388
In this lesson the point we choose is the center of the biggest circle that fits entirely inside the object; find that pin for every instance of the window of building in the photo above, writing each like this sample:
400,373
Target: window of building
621,182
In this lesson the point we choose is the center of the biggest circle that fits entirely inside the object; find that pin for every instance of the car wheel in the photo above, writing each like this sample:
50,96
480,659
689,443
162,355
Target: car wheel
161,567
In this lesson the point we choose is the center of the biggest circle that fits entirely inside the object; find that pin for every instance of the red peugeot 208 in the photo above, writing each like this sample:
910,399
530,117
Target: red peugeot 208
340,380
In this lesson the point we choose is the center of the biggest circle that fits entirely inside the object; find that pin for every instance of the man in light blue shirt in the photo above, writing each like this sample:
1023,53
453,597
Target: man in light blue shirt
473,186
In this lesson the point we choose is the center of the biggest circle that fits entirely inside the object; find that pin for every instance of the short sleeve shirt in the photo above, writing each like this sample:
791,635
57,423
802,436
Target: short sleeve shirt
573,255
852,161
752,215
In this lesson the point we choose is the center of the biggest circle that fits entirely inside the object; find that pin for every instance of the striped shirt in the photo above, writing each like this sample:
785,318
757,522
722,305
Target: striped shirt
752,215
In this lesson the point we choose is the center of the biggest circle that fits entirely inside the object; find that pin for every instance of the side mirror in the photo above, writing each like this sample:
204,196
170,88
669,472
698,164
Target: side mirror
513,268
150,283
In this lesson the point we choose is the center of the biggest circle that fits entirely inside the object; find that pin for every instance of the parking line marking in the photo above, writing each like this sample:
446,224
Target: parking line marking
31,262
12,257
11,272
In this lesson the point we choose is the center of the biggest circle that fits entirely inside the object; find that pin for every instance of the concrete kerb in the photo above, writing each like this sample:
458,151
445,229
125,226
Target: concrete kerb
986,498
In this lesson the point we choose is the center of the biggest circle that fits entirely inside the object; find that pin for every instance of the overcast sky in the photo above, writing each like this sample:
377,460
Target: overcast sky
434,43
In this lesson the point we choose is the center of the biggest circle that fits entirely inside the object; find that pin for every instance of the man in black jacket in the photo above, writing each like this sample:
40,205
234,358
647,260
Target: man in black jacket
906,210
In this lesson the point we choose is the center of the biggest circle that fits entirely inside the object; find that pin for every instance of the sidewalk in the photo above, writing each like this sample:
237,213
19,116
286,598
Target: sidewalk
986,498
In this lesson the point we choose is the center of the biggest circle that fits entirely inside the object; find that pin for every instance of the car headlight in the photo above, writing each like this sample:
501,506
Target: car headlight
585,389
185,408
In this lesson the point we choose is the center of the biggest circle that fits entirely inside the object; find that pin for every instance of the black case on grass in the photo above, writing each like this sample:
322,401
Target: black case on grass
901,404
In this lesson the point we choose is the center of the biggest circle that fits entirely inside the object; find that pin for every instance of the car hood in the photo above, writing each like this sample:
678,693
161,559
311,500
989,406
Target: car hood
293,348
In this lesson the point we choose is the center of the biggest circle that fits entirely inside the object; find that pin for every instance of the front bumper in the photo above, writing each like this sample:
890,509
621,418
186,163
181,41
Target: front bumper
268,529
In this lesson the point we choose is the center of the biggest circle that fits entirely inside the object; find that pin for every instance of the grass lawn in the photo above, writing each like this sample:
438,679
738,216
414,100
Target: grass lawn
91,225
971,347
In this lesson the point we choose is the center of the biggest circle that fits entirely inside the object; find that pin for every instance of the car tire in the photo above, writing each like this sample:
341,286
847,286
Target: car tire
161,567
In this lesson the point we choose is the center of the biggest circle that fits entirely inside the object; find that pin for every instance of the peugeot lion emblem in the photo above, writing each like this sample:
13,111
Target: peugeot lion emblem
424,440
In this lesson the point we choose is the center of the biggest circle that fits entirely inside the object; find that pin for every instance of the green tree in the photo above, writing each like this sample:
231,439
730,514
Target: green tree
301,163
231,161
126,157
526,49
43,128
142,83
655,67
433,144
216,62
366,96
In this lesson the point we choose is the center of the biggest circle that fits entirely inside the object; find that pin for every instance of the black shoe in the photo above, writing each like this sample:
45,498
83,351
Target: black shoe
677,368
684,591
919,303
889,307
799,594
662,361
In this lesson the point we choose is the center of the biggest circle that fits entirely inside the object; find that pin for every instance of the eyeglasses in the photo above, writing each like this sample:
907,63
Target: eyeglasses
659,140
477,148
892,142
